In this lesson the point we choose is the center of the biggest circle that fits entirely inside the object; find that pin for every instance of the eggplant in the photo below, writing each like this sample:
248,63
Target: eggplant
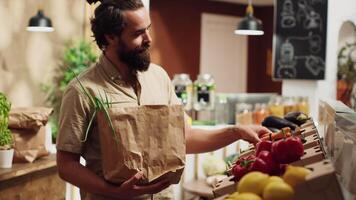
277,122
297,117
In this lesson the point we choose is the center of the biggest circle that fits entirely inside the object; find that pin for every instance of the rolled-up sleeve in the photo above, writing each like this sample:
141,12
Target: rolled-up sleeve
73,120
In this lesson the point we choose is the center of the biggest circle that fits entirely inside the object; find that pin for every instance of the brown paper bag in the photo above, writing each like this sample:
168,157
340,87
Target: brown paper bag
150,139
28,128
29,118
29,144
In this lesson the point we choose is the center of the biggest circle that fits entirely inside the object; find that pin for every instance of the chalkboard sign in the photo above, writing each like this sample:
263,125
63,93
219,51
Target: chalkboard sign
300,39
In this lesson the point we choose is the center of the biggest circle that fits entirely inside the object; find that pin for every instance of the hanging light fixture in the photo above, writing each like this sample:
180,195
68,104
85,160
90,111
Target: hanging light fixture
249,24
40,23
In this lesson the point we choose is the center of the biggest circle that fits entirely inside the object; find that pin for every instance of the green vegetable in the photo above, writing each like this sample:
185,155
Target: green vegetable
6,140
213,166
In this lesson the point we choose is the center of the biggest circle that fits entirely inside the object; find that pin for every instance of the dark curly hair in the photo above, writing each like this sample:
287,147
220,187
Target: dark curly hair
108,18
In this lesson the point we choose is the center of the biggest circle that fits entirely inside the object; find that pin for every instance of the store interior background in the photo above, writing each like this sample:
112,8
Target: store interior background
28,59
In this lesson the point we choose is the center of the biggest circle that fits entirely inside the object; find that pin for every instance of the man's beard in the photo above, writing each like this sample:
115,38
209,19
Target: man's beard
137,59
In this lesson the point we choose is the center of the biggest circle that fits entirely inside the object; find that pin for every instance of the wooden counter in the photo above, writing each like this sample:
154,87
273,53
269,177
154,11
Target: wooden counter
36,181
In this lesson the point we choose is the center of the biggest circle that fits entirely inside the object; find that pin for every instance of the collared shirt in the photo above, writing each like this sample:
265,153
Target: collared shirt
104,80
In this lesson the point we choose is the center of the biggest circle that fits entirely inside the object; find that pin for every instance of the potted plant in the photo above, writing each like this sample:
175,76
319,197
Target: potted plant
77,57
347,74
6,139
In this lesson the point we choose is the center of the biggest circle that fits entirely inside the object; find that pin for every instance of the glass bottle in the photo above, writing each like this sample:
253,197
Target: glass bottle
204,92
183,88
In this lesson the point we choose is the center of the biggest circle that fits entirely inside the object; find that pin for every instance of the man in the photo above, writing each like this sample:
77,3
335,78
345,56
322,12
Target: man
125,73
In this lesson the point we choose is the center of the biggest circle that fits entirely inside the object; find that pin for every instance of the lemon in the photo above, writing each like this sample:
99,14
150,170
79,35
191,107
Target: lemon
295,175
274,179
253,182
244,196
278,191
232,196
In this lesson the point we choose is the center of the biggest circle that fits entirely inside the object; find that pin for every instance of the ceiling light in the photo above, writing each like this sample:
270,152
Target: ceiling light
40,23
249,25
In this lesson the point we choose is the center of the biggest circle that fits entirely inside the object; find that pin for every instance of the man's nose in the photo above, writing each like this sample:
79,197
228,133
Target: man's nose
147,37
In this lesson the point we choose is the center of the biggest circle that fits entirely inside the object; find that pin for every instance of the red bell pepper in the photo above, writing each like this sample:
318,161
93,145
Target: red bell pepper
287,150
264,163
242,166
263,146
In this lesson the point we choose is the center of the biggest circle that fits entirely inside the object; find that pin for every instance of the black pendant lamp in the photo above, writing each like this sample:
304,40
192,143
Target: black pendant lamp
40,23
249,25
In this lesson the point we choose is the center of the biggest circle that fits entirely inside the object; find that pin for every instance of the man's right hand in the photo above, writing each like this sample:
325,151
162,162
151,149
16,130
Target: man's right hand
130,189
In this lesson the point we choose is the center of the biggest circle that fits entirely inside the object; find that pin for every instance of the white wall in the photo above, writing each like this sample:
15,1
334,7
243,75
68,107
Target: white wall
339,11
222,53
146,3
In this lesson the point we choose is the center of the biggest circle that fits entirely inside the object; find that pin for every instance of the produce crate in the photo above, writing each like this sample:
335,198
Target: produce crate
312,141
228,185
225,186
320,184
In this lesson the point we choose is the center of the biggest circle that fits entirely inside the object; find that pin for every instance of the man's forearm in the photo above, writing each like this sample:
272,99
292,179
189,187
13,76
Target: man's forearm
199,141
76,174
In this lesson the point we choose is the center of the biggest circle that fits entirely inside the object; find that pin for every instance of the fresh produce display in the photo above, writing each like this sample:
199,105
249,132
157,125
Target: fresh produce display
277,122
270,157
272,170
297,118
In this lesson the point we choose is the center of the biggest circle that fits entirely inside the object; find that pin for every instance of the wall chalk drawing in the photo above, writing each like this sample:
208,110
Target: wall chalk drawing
300,39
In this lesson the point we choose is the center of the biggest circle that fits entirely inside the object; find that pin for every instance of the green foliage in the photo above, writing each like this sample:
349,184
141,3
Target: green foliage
5,135
76,58
347,63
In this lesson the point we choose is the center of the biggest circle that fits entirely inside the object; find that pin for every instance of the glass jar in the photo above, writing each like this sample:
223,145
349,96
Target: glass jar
275,106
290,105
183,88
221,109
260,113
303,105
204,92
243,114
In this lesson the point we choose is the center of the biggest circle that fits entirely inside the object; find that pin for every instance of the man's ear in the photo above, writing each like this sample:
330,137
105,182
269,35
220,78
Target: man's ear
111,39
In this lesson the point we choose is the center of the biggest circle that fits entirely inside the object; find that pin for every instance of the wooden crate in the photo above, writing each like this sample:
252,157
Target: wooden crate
311,155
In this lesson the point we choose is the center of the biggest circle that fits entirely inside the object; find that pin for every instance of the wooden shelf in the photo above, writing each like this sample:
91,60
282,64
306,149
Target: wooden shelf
21,169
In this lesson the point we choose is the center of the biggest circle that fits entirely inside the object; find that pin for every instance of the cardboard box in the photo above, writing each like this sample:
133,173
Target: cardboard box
225,186
310,156
311,141
321,184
